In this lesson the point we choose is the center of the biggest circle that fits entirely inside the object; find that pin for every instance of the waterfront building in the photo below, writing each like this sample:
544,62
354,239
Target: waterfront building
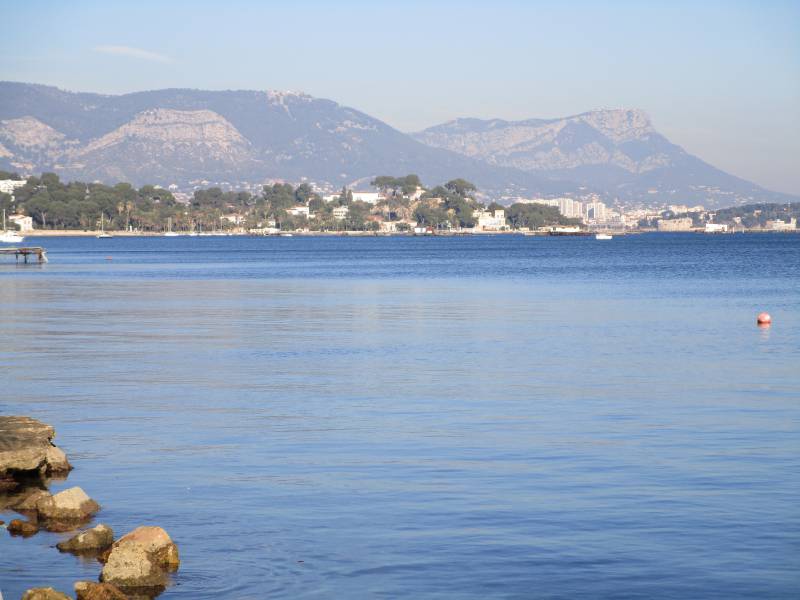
340,212
780,225
22,222
490,221
716,228
684,224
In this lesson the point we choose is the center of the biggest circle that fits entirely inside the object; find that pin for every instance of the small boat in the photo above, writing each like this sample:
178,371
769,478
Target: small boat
10,237
103,233
603,236
7,236
286,235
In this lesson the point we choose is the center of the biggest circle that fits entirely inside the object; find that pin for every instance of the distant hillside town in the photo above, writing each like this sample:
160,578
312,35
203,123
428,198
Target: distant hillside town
386,204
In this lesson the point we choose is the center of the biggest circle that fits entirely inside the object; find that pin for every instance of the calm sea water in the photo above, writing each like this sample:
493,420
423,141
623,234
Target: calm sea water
478,417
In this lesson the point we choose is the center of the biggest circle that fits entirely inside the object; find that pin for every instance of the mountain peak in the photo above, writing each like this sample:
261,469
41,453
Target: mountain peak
243,137
619,124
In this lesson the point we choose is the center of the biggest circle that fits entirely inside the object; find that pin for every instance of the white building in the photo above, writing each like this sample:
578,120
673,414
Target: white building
22,222
716,228
340,213
780,225
595,211
7,186
235,219
299,211
566,206
490,221
368,197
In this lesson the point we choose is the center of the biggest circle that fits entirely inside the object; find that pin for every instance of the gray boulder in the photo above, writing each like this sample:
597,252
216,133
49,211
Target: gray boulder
70,505
92,540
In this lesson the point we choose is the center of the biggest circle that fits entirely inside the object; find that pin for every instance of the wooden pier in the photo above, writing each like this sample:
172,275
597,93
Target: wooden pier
37,251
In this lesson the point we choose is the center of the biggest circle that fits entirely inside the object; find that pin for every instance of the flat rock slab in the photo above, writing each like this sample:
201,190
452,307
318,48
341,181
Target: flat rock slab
26,447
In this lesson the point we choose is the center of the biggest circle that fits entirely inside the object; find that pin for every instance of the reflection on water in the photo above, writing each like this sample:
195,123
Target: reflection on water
401,418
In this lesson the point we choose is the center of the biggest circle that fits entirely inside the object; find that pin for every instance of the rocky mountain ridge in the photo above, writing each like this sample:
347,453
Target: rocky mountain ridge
617,150
246,137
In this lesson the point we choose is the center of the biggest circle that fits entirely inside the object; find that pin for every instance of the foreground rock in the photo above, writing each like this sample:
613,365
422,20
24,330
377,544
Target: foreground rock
23,528
141,560
44,594
28,499
96,539
68,506
89,590
26,449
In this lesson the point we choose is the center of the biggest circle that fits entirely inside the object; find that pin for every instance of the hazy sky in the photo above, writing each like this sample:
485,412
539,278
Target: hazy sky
722,79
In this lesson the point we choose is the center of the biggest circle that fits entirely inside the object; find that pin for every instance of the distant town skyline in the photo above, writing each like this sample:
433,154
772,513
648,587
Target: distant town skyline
721,79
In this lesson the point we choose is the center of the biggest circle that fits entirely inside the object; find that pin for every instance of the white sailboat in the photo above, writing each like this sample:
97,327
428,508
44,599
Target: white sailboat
7,236
103,233
603,236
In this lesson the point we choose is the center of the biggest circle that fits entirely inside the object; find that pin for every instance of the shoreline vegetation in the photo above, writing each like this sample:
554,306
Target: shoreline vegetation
46,206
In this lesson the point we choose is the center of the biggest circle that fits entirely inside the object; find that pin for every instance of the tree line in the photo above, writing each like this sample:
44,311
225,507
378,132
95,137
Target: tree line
54,204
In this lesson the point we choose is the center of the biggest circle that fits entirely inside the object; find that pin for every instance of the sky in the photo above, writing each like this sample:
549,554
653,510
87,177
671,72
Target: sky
721,79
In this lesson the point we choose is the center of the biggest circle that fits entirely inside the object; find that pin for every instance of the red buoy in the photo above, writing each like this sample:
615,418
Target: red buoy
763,319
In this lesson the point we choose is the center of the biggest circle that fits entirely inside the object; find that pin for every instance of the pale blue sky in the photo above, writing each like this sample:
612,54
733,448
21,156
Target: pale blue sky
721,79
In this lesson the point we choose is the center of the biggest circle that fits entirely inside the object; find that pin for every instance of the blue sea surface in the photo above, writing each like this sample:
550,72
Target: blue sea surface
421,417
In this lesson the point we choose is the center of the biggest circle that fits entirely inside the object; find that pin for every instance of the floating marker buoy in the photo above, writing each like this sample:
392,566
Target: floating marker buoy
763,319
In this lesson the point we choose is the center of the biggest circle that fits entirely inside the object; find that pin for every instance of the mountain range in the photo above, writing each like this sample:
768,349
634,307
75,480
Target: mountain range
182,136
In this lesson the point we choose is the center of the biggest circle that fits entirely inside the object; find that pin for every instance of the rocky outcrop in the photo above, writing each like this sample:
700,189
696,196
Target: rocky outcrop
92,540
26,449
26,501
141,559
44,594
89,590
67,506
139,563
23,528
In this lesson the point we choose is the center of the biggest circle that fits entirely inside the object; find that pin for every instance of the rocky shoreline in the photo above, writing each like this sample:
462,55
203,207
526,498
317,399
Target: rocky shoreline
135,566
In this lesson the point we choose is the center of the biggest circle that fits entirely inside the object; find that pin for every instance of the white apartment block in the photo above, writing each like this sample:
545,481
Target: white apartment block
340,212
566,206
7,186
